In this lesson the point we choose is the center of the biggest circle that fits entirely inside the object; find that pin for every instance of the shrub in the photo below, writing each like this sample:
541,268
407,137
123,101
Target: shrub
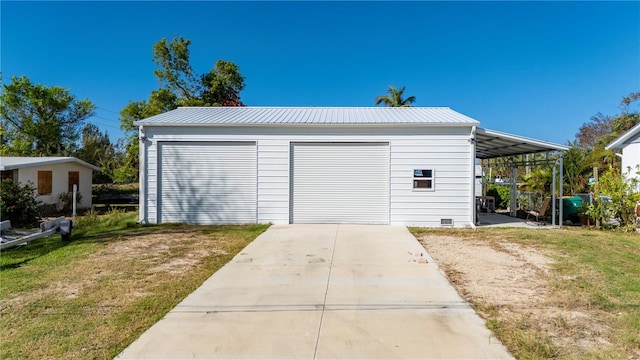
66,201
18,203
501,194
615,198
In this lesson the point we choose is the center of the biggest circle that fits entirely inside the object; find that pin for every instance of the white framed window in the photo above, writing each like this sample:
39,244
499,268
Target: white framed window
423,179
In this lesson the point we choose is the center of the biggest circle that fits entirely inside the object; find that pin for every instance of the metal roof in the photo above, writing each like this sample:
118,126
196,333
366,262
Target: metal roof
268,116
621,141
18,162
489,143
493,144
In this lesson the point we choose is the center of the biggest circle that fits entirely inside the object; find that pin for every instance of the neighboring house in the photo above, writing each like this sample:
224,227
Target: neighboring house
629,144
281,165
51,176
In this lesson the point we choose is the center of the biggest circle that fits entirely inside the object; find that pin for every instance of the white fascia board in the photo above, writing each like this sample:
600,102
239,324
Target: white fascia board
48,161
516,138
307,125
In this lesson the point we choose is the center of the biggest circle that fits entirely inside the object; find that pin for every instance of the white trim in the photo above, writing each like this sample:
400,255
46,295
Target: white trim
472,144
528,145
142,178
19,162
432,178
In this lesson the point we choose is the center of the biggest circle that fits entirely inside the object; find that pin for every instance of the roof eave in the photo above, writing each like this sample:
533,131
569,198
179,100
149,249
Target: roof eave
141,123
543,145
49,162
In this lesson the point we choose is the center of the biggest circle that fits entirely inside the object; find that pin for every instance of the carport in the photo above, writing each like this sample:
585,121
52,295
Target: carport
491,144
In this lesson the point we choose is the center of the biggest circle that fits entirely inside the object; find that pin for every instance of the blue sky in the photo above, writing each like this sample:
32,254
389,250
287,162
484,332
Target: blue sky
537,69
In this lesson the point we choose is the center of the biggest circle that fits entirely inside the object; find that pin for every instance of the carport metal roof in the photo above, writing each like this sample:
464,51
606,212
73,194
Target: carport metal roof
494,144
491,144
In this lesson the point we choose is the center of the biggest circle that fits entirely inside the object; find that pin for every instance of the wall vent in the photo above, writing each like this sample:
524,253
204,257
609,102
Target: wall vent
446,222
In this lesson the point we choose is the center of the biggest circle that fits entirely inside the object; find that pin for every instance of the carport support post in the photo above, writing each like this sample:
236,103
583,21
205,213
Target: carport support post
514,189
559,163
553,196
474,215
561,188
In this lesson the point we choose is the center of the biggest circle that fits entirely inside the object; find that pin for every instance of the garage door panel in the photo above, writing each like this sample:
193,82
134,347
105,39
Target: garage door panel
208,182
340,183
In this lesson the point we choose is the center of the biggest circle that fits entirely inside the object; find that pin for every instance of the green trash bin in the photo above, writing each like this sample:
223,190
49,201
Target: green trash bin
571,206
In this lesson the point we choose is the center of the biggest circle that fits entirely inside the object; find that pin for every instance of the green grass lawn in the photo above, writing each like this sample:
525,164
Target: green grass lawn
593,272
91,297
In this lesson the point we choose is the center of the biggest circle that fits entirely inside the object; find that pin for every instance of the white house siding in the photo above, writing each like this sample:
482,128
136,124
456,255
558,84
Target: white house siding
150,181
631,158
448,155
446,150
273,181
60,181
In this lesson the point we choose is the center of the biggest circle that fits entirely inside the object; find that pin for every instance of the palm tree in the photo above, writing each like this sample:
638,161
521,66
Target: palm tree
394,98
537,181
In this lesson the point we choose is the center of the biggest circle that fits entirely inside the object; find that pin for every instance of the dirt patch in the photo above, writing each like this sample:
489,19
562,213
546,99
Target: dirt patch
510,283
145,258
156,251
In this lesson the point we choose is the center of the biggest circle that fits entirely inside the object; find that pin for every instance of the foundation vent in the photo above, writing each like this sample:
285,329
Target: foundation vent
446,222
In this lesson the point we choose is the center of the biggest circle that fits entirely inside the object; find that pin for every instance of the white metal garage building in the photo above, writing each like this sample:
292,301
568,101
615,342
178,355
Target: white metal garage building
399,166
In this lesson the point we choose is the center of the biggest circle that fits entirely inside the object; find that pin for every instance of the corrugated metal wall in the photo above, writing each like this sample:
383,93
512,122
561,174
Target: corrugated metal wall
448,156
446,150
273,181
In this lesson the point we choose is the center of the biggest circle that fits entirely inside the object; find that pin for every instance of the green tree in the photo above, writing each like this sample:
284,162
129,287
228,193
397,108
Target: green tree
538,180
98,150
577,168
222,85
40,121
180,85
175,71
600,130
394,98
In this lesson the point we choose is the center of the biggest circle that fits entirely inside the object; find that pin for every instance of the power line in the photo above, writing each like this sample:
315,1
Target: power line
107,110
95,122
107,119
99,124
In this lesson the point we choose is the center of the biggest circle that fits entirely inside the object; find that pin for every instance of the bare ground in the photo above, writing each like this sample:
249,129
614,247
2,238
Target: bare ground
104,288
510,284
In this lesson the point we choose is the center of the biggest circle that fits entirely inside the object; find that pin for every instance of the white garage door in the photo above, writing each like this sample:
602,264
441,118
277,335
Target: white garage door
340,183
208,182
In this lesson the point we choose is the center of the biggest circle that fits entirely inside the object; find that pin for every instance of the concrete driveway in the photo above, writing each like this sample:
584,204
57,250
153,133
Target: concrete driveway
323,292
